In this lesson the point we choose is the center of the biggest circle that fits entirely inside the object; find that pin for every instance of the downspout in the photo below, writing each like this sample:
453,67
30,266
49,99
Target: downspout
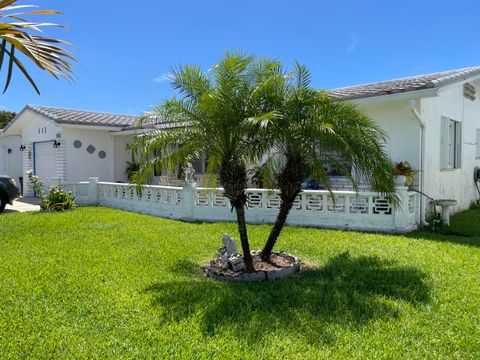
421,179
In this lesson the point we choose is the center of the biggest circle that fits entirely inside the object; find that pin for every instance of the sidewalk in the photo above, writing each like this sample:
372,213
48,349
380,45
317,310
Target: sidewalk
24,204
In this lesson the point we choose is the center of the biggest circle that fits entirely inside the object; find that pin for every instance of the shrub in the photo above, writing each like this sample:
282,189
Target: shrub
57,198
132,170
36,184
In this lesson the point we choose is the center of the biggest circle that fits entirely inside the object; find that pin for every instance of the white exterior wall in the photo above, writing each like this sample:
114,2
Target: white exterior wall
401,127
11,164
27,165
121,156
80,164
455,184
38,129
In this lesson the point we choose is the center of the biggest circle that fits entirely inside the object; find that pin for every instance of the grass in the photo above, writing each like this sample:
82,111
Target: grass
102,283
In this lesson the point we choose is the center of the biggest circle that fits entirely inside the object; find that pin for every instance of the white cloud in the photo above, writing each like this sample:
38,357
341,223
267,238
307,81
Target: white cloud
353,44
162,78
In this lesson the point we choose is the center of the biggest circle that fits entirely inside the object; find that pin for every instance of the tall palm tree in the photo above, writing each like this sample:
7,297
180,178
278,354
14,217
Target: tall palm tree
217,115
17,33
315,130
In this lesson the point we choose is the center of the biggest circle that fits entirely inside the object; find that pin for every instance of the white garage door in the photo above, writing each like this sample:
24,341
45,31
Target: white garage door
45,162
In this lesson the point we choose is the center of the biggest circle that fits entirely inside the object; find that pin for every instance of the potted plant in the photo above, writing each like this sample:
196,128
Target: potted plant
404,173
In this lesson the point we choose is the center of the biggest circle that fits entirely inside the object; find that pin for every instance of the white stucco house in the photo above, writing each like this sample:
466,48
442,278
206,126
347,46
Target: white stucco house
10,155
432,121
68,145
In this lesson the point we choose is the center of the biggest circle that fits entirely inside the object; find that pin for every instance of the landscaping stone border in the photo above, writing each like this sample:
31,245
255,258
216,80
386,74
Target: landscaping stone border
214,273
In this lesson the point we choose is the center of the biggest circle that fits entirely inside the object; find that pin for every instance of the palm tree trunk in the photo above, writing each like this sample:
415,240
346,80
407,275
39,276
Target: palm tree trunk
285,208
289,181
233,176
242,229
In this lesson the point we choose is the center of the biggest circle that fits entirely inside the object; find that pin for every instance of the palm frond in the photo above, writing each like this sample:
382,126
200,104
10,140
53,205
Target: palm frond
46,53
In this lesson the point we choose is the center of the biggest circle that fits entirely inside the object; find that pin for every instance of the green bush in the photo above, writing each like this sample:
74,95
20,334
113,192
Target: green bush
57,200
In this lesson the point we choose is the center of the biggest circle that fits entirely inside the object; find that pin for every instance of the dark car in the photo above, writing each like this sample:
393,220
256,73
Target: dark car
8,191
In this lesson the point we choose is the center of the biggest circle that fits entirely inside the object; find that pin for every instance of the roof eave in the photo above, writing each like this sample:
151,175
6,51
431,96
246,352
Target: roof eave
468,77
90,126
8,130
408,95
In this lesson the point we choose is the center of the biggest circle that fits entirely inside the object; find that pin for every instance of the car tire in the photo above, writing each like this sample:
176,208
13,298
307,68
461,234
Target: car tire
3,202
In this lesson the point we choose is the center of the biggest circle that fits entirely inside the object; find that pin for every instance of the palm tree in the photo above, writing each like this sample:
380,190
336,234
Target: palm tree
217,115
315,130
16,34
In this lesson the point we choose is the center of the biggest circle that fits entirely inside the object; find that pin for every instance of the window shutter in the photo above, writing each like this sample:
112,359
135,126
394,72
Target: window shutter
458,145
444,143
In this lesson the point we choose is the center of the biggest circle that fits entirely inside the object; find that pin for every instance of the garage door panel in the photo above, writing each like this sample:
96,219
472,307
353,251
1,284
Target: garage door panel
45,161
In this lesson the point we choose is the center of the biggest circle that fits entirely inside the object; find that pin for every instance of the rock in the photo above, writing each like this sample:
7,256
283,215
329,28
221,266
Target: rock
252,277
237,262
281,273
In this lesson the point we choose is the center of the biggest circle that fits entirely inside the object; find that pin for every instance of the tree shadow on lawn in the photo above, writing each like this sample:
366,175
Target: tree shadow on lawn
347,291
446,235
464,229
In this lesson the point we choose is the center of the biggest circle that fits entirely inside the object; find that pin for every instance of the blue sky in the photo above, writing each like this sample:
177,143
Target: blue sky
125,50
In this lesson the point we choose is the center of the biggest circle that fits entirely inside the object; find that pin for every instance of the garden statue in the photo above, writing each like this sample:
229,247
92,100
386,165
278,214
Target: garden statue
189,172
229,244
229,255
223,258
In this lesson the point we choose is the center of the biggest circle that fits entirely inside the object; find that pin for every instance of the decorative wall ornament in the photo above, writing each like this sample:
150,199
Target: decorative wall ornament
90,149
77,144
102,154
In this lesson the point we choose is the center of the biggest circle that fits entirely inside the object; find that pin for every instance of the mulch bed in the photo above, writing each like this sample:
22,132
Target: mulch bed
278,261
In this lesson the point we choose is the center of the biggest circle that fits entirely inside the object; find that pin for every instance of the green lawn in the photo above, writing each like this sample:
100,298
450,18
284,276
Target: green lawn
102,283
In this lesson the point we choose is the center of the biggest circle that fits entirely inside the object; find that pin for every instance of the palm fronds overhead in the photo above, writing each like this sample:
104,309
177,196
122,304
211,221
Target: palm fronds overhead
17,34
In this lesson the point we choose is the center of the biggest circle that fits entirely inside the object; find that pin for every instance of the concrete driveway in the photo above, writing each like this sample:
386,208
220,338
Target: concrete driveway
24,204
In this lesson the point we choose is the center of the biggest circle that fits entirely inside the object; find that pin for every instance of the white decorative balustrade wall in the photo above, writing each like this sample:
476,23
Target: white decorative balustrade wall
345,210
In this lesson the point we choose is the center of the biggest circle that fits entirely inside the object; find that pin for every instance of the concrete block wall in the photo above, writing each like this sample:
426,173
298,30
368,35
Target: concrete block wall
27,159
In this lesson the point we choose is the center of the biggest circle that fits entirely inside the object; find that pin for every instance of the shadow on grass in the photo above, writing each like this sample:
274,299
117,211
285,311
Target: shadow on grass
186,267
464,229
453,236
346,291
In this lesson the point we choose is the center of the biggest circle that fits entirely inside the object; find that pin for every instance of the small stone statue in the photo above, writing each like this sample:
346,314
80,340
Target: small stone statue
224,258
229,244
189,172
229,255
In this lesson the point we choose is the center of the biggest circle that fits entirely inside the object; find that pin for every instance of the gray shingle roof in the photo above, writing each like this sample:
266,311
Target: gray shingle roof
127,122
414,83
81,117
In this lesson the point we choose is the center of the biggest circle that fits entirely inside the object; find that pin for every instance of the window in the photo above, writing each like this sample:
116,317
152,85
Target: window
477,143
451,142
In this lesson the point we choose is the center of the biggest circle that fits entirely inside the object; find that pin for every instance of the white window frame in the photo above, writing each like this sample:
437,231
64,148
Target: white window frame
451,144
